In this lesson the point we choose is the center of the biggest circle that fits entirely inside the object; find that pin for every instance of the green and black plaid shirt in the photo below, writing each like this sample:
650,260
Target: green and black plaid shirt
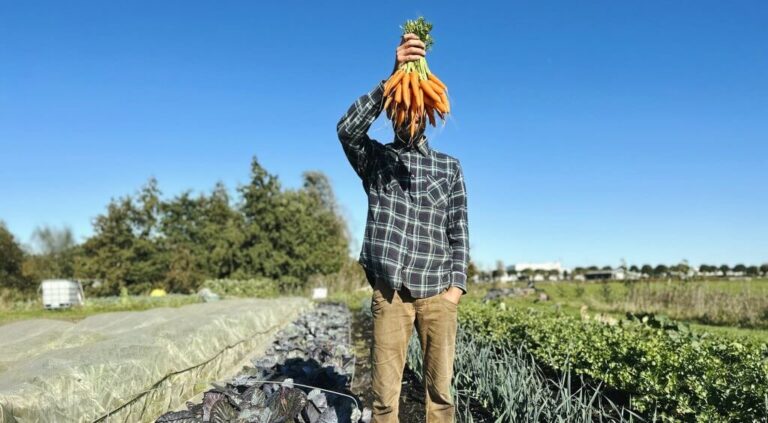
416,233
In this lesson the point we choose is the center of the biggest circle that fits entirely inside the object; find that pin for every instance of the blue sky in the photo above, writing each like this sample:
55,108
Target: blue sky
588,131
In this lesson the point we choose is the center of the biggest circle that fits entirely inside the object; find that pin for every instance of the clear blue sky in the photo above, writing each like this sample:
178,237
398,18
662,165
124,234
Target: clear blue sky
588,131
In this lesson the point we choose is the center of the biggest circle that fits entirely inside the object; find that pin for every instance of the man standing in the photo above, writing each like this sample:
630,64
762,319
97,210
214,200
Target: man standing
415,249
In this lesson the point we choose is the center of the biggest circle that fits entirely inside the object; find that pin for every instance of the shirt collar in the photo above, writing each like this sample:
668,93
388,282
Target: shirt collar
422,145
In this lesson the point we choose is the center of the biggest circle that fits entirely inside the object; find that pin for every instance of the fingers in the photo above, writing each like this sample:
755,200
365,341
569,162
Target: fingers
408,36
411,49
413,42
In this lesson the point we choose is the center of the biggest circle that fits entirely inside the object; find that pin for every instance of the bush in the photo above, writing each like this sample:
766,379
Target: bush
662,365
259,288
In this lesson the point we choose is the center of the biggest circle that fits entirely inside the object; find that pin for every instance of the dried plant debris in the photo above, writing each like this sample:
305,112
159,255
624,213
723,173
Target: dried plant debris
302,377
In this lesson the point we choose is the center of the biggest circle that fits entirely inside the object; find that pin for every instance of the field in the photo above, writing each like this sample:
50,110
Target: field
588,352
33,309
579,356
737,308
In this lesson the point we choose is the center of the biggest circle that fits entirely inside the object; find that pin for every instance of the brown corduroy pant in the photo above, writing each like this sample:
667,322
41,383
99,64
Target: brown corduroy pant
394,315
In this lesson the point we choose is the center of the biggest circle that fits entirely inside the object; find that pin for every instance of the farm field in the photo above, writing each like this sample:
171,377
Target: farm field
560,363
23,310
734,307
598,363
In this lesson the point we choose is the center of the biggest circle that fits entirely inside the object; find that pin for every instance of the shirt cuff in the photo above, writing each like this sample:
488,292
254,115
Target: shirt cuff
459,279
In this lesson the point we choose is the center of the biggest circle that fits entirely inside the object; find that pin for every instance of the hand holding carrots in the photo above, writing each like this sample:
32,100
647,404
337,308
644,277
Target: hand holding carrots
413,93
411,48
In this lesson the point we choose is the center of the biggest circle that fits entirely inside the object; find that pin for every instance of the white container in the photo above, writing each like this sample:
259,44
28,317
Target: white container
61,293
319,293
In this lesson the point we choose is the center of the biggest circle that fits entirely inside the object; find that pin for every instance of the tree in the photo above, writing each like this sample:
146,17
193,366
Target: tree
661,271
471,270
125,250
725,269
184,242
261,200
647,269
764,269
291,234
740,268
752,271
11,260
53,255
223,234
634,268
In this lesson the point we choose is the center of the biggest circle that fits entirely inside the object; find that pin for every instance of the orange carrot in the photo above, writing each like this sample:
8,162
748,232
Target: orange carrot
444,100
415,86
433,78
399,93
441,107
393,80
426,86
406,83
414,79
437,88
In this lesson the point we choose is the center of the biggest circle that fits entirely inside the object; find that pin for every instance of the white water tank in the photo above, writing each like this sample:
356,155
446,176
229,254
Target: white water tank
61,293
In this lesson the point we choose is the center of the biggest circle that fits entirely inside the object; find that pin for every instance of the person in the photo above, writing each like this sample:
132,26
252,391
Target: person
415,249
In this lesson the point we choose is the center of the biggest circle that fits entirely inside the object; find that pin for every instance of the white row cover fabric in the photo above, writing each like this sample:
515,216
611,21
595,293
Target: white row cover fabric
131,366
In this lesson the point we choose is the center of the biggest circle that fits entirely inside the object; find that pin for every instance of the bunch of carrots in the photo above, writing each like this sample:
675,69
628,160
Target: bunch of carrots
413,93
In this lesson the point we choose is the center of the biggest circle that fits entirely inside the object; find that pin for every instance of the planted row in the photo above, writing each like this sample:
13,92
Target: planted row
665,369
507,385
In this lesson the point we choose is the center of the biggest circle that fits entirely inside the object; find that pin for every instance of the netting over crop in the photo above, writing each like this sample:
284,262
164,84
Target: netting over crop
130,366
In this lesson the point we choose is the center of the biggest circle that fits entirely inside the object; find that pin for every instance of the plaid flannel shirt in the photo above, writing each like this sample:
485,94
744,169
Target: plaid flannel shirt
416,231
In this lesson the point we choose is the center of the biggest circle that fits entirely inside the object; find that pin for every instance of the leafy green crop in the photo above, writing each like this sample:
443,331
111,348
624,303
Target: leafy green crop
507,383
665,368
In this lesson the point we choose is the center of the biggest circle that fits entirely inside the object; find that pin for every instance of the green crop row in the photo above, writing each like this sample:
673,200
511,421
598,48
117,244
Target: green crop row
666,369
508,385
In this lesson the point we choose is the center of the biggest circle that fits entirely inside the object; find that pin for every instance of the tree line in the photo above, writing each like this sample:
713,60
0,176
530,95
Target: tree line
657,271
143,241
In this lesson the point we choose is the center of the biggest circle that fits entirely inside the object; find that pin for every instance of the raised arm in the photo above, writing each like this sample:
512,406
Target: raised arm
353,126
353,130
458,233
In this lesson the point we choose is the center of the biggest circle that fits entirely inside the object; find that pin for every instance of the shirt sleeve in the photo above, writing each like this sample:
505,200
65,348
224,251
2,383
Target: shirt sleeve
353,130
458,231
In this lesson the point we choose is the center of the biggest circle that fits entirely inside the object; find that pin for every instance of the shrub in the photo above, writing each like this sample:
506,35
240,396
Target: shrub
260,287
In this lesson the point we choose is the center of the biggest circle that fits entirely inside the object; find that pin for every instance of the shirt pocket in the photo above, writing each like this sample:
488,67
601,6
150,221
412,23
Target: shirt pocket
437,191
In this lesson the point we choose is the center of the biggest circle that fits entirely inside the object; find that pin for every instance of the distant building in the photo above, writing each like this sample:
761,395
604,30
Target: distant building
555,265
618,274
539,271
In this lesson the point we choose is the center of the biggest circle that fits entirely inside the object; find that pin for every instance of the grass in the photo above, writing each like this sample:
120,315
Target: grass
713,302
740,305
33,309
